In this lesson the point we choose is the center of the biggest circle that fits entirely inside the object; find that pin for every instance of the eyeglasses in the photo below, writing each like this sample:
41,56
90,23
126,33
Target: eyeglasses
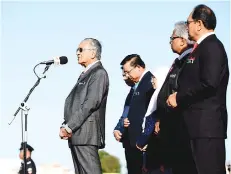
188,22
83,49
174,37
128,72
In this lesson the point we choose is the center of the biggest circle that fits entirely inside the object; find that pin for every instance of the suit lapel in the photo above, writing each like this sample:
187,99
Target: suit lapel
89,71
194,53
139,88
82,77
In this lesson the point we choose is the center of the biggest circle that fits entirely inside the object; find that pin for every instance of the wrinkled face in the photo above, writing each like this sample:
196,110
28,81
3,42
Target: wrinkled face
131,71
85,52
176,42
192,27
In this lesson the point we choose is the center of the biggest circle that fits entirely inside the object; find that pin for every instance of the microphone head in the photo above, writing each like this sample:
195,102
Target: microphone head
63,60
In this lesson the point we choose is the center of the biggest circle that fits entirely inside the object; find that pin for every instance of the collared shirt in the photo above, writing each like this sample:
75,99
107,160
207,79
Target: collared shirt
204,36
90,65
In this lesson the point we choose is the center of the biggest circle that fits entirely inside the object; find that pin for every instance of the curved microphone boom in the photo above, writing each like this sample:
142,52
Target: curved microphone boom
24,108
59,61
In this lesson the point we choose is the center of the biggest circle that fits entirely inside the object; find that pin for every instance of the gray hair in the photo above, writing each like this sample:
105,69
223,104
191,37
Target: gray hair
96,45
181,30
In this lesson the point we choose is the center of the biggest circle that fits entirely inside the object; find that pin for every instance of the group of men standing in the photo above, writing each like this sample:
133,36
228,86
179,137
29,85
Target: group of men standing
186,127
176,125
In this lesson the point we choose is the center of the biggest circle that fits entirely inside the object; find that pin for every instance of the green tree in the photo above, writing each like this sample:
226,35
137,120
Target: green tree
109,163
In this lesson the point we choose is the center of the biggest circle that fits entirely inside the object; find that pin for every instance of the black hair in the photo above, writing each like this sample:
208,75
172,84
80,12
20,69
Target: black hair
134,60
206,15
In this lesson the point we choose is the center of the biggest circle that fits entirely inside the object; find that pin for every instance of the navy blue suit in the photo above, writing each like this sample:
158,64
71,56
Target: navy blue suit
138,107
137,110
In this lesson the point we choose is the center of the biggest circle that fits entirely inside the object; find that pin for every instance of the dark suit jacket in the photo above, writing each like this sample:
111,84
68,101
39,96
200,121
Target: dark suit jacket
138,107
171,120
85,107
202,90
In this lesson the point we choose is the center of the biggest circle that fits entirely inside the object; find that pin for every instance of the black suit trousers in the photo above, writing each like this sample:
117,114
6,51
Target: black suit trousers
209,155
134,158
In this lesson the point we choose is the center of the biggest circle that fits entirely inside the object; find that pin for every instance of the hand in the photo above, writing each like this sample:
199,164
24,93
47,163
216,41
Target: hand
117,135
157,127
142,149
171,101
63,134
126,122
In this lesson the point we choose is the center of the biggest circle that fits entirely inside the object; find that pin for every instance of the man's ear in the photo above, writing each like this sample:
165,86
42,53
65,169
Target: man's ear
93,54
184,42
200,25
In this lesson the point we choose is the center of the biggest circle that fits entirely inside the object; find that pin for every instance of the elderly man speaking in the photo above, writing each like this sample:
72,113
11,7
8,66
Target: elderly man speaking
84,112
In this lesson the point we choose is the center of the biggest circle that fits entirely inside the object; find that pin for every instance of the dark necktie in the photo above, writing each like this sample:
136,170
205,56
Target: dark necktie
80,75
132,91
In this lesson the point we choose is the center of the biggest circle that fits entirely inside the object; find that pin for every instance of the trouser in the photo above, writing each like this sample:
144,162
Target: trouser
134,160
209,155
86,159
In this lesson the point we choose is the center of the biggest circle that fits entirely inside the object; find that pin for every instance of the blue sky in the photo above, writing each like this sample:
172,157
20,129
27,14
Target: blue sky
36,31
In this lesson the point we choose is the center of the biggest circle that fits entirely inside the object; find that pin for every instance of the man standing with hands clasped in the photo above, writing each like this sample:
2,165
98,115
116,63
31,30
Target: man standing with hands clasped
119,129
135,69
202,93
84,111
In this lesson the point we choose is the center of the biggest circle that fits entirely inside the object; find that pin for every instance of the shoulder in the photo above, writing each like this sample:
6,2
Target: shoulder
32,161
147,76
99,71
213,48
212,42
99,75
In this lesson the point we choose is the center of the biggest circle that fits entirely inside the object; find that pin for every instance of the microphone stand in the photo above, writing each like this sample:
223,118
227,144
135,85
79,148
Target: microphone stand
24,114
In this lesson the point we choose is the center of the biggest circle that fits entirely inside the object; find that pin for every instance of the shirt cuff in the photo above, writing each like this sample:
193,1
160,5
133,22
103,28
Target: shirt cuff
68,129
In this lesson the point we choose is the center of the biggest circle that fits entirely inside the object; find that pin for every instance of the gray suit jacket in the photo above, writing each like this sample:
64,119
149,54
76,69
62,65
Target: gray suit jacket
85,107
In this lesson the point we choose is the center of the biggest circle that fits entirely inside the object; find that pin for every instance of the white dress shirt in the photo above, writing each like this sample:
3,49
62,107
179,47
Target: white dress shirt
204,36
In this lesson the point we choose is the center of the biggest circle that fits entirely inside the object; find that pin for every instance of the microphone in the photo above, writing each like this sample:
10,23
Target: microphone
58,61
